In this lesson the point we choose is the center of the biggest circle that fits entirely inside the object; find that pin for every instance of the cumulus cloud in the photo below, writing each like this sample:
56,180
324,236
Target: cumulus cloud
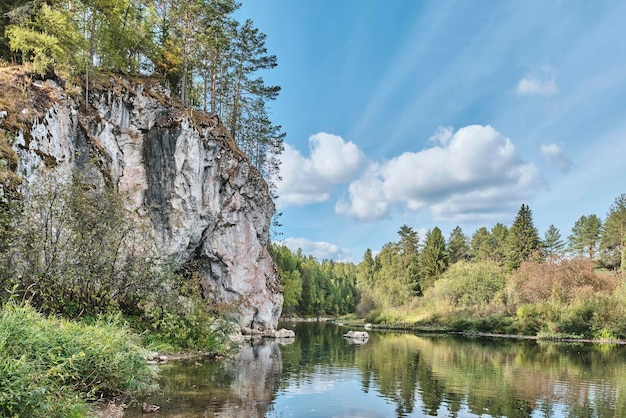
469,174
311,179
320,250
535,86
553,154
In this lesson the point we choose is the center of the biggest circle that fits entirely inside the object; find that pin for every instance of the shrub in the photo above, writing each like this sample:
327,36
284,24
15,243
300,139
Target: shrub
178,318
468,284
529,319
76,251
559,280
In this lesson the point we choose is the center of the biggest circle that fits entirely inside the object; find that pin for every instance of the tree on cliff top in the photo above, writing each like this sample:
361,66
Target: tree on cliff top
195,47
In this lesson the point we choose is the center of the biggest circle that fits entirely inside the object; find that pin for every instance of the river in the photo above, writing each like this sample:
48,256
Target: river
320,374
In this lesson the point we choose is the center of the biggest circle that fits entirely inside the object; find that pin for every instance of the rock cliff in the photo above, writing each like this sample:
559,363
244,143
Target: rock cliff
180,171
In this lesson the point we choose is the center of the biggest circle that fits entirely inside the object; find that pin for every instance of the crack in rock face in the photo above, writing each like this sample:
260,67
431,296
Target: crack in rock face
181,175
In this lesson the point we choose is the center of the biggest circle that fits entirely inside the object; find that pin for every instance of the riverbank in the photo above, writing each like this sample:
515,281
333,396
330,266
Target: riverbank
52,367
448,329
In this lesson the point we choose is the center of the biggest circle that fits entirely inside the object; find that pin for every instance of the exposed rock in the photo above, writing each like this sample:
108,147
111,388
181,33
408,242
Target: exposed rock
282,333
356,337
182,175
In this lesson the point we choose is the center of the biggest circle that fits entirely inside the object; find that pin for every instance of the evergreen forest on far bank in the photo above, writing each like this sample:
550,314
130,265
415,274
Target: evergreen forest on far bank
507,279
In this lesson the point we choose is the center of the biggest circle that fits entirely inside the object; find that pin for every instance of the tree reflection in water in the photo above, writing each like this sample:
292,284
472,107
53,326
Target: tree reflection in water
400,374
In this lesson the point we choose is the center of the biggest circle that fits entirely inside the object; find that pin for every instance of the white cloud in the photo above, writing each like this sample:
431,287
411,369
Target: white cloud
473,173
535,86
553,154
311,179
320,250
443,135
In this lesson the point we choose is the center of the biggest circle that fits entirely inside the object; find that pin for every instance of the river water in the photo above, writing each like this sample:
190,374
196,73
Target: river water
320,374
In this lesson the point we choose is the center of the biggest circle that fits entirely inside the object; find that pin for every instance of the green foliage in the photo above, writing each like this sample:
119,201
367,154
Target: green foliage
499,235
196,47
49,367
458,246
433,258
468,284
522,242
76,251
552,244
481,249
585,236
46,39
613,240
314,288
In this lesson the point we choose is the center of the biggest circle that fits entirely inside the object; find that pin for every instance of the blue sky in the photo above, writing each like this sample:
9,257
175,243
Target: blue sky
443,113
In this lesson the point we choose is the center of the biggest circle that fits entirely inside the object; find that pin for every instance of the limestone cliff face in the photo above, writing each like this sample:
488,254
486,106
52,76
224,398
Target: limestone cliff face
182,175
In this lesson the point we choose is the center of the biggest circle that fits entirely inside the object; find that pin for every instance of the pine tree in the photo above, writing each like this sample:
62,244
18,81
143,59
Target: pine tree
458,247
552,243
434,257
523,239
480,249
613,241
585,236
249,55
7,6
365,271
409,257
45,36
499,234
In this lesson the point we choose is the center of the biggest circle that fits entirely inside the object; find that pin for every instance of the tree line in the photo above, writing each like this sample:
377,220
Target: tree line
404,269
477,267
195,47
314,288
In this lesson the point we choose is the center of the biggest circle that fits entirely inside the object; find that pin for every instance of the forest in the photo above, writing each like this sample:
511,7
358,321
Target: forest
196,48
76,291
213,63
506,279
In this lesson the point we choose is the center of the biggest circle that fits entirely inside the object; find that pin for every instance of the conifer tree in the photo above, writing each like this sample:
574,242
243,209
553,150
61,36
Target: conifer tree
409,257
458,246
249,55
45,36
434,257
552,243
499,234
613,241
585,236
365,271
523,239
480,249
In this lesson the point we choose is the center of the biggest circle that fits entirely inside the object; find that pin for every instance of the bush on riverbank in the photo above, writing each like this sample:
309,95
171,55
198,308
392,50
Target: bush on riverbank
72,249
557,299
50,367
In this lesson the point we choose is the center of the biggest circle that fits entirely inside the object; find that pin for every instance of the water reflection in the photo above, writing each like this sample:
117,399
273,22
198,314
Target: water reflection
243,386
403,375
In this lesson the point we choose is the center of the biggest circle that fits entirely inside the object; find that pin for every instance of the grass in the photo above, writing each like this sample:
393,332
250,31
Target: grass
51,367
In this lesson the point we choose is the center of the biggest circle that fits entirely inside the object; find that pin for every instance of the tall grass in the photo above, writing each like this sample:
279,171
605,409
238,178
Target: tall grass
51,367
